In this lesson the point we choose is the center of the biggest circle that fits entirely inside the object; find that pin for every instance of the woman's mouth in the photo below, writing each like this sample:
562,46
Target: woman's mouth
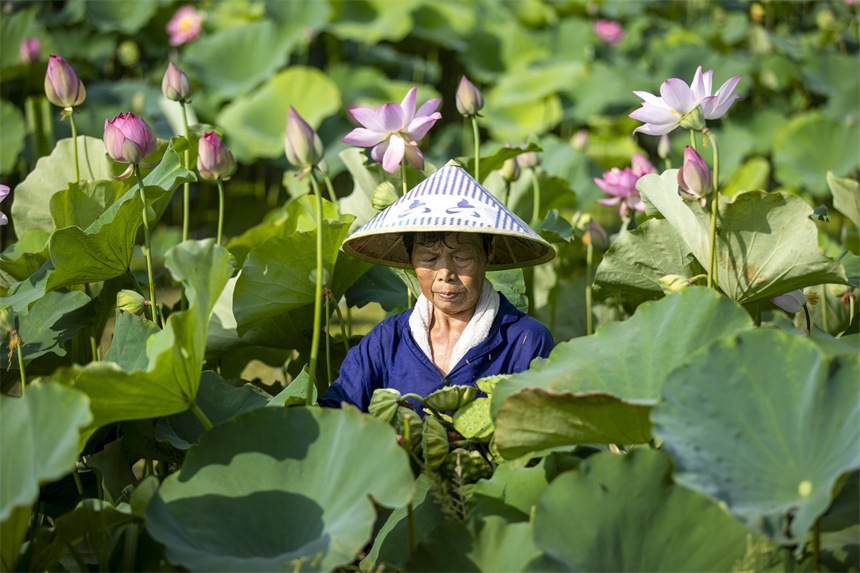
447,295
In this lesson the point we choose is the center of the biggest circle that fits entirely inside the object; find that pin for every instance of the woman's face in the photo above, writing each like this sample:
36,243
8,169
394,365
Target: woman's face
451,272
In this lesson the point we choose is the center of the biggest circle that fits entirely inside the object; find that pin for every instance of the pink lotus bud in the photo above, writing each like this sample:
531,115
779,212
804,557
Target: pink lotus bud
664,147
184,26
29,51
640,165
580,140
609,31
213,158
128,139
791,301
694,177
469,98
530,159
303,145
175,85
62,85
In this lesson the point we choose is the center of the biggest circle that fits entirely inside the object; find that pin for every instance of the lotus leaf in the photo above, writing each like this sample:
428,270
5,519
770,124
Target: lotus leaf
623,513
12,139
225,509
765,423
295,392
26,256
846,196
434,443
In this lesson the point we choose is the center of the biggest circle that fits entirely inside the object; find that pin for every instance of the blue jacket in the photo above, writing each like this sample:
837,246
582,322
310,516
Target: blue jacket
388,357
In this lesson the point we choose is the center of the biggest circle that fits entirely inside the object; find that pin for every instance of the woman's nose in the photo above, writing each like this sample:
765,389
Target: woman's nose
446,272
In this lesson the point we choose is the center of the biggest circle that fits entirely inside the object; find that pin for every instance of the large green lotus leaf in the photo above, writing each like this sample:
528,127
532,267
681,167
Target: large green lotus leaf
379,284
840,528
531,84
232,62
753,174
371,21
623,513
128,346
511,283
31,209
807,146
833,75
279,275
113,469
39,438
84,202
219,400
257,123
480,544
767,245
603,386
113,17
13,136
846,196
391,543
638,259
516,122
25,256
169,382
53,320
244,501
765,423
13,531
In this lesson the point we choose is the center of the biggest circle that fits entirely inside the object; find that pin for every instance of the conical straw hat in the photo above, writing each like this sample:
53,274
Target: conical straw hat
450,200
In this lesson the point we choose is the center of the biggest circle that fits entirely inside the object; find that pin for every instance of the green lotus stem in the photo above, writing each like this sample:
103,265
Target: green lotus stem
477,139
315,339
410,517
349,320
824,308
342,327
220,210
186,202
535,196
329,186
816,546
207,425
758,314
327,341
78,483
693,140
589,256
75,146
147,250
403,175
507,192
808,322
715,206
20,361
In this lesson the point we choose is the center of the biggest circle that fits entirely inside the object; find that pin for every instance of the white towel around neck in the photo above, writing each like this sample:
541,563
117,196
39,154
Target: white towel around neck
475,332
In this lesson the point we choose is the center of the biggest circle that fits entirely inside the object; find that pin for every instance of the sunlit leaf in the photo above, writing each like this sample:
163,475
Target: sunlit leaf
846,196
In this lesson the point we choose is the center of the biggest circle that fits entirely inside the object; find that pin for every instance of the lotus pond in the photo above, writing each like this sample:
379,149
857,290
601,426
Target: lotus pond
177,180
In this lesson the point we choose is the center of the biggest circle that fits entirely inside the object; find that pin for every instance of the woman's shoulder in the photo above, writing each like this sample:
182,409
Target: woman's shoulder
516,322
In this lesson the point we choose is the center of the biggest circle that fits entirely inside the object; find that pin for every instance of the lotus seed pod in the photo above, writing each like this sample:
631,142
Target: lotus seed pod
130,301
451,398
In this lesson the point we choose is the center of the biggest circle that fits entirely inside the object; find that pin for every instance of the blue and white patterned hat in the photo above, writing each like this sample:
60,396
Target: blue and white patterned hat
450,200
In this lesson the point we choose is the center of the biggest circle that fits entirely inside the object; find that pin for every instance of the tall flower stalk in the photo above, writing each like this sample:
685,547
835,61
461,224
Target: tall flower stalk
470,101
147,249
715,206
318,290
176,86
64,89
214,160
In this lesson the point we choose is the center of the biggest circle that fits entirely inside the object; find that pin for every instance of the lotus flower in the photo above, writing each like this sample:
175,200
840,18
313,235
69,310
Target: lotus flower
621,184
609,31
663,114
469,98
175,84
213,158
29,51
128,139
303,145
184,26
664,147
62,85
4,191
791,301
694,177
394,130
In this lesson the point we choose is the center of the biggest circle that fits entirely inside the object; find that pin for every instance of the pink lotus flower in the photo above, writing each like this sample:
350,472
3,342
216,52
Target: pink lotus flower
184,26
213,158
29,51
791,301
394,130
621,184
62,85
694,177
128,139
663,114
609,31
4,191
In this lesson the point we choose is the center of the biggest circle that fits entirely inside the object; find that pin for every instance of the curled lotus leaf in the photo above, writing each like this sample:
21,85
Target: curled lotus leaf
434,442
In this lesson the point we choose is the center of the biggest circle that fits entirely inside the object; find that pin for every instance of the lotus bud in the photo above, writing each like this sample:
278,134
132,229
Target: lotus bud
29,51
694,177
580,140
130,301
672,283
694,120
469,98
664,147
640,165
62,85
213,158
596,236
510,168
791,301
303,145
530,159
4,191
175,85
128,139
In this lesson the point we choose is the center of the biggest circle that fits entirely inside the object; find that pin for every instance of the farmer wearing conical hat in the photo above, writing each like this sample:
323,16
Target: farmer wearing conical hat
450,230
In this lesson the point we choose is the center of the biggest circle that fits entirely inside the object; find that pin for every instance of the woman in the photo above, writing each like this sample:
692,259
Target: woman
450,230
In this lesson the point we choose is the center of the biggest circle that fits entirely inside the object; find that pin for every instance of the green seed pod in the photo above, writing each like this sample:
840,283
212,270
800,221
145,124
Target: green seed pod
383,405
130,301
451,398
474,421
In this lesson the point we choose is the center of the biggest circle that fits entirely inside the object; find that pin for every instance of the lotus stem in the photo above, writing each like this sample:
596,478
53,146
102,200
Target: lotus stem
186,202
207,425
220,210
342,327
332,197
147,249
758,314
507,192
715,206
808,322
477,138
816,546
78,483
824,308
403,175
315,339
410,517
16,339
535,196
75,146
327,341
693,140
589,256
